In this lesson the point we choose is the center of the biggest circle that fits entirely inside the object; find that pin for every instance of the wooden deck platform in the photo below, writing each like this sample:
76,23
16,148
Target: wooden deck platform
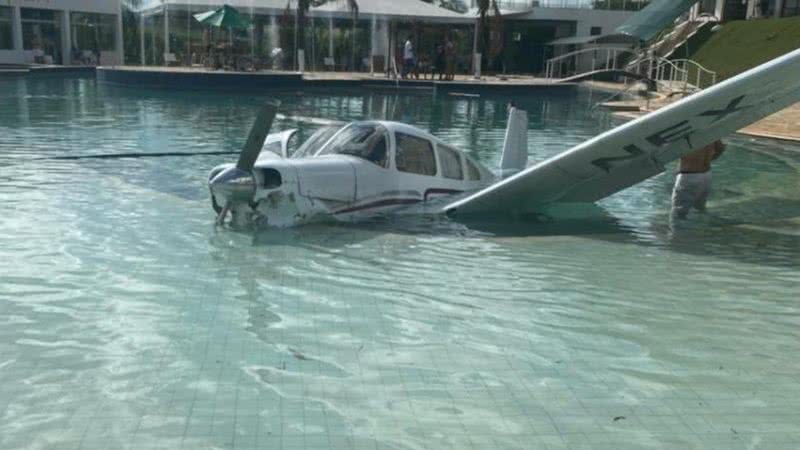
783,125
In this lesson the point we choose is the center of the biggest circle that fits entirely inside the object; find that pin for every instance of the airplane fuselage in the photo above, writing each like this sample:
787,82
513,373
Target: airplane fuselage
363,169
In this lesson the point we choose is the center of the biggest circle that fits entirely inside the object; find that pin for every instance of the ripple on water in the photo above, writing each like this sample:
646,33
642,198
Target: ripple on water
128,319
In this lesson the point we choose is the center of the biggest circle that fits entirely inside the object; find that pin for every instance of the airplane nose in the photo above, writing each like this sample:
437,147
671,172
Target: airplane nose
234,185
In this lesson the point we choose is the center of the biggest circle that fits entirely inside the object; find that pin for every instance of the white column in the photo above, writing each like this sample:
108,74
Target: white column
119,44
141,37
695,11
372,36
719,9
166,33
16,19
153,40
778,8
751,9
66,38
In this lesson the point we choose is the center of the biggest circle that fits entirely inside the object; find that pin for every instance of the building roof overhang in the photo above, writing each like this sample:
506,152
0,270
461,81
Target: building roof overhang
404,10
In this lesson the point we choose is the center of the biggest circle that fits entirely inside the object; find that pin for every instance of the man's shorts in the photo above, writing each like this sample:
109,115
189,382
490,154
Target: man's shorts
691,191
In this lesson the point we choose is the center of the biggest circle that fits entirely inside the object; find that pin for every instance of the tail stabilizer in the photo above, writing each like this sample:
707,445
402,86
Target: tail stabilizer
515,145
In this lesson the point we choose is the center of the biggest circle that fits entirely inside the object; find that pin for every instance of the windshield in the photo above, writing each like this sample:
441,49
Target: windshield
319,138
364,140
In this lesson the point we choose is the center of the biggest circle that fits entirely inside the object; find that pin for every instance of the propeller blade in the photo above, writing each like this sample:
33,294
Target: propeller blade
258,133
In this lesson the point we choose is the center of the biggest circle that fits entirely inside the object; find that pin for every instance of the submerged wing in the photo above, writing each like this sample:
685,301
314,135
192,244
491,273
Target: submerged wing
637,150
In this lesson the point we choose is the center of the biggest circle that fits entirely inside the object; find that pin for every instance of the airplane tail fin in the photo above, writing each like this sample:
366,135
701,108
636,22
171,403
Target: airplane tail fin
515,145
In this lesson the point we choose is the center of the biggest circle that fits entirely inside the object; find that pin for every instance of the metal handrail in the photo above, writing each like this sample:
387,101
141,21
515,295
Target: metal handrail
588,50
659,69
676,73
611,55
700,71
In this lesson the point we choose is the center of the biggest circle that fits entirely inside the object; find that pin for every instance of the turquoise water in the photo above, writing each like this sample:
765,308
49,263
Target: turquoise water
127,321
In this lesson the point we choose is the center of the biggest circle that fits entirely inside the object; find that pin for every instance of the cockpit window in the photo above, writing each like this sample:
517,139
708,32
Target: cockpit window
319,138
367,141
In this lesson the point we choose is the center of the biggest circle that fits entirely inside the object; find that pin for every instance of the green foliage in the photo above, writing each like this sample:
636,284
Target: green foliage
741,45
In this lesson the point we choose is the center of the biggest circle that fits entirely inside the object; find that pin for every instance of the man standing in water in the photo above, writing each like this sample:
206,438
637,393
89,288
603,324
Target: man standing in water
693,184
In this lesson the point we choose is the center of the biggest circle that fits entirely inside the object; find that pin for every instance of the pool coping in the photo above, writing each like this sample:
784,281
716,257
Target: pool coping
32,70
194,79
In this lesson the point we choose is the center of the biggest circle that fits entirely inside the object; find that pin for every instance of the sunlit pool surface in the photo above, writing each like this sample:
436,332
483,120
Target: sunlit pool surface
127,321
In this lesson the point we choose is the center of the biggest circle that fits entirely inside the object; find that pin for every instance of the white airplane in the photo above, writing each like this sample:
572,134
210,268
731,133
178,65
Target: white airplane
361,169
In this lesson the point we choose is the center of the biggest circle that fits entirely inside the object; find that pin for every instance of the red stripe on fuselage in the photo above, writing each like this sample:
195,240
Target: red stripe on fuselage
398,201
379,204
441,191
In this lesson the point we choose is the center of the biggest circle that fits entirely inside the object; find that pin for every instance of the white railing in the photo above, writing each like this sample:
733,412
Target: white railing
594,59
682,73
665,72
701,73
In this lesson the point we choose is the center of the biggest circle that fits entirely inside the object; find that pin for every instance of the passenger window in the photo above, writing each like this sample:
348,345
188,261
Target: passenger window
450,160
414,155
472,170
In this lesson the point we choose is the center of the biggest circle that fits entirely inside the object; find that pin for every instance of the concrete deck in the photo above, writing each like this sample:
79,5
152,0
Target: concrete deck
199,77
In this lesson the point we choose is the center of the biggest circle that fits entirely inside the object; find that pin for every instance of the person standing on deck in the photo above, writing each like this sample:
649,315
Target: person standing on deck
439,63
693,183
450,59
408,57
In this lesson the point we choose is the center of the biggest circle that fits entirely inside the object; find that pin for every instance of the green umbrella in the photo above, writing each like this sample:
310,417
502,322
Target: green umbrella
227,16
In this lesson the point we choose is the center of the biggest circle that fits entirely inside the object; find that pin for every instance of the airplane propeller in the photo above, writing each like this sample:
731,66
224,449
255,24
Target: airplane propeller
237,184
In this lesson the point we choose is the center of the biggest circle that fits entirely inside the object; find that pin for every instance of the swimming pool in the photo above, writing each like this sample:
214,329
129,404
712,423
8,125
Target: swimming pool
129,321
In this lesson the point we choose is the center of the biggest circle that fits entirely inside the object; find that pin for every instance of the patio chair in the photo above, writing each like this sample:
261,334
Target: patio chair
170,59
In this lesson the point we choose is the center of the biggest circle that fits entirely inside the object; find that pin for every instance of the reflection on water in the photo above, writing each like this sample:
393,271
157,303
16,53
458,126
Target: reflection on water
129,321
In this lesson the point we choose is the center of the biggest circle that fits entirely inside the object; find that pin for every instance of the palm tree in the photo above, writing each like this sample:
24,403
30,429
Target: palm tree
481,28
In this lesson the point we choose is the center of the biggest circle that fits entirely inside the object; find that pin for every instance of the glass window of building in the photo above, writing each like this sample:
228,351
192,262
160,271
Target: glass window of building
6,30
93,31
791,8
41,33
414,155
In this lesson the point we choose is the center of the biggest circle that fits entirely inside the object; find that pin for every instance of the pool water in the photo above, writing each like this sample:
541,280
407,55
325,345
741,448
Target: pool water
128,321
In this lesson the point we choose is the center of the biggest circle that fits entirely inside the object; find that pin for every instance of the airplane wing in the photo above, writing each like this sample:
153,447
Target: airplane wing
639,149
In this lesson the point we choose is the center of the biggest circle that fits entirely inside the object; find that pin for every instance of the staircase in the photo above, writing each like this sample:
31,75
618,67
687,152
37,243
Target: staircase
677,37
667,46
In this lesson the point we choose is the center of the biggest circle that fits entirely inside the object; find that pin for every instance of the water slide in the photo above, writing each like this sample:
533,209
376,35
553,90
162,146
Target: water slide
654,18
